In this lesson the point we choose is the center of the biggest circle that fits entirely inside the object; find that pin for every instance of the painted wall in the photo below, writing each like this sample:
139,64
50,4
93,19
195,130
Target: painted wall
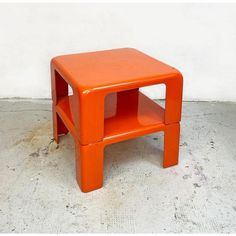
198,39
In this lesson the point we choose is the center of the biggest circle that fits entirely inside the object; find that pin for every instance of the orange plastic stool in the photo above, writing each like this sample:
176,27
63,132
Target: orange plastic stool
107,107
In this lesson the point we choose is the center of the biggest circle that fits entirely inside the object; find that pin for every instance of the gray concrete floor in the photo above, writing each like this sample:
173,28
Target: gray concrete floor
39,194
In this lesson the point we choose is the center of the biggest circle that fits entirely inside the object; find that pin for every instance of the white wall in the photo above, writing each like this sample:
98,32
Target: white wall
198,39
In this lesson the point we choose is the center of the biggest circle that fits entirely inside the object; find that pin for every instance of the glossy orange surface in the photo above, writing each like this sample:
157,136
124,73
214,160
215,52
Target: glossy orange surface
107,106
112,68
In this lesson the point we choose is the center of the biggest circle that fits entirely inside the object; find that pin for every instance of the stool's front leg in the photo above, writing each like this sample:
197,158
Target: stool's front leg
173,107
89,145
89,166
91,117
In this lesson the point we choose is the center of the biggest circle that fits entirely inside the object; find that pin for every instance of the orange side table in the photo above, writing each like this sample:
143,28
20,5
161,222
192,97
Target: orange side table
107,107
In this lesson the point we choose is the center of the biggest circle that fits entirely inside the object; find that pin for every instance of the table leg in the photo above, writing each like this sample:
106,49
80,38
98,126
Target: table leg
173,106
89,166
171,144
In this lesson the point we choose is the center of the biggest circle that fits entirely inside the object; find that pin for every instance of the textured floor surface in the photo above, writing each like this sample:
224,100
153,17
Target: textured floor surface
39,194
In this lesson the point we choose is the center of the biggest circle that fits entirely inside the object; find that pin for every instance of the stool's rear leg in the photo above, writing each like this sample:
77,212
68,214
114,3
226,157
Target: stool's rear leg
171,144
59,89
58,126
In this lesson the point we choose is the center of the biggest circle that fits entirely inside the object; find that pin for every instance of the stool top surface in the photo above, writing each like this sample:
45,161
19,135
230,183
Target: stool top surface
123,67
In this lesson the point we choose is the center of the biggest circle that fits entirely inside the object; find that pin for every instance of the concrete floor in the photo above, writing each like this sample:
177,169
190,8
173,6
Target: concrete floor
39,194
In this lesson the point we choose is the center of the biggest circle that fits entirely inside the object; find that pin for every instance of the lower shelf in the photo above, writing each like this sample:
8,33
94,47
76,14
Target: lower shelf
131,114
127,115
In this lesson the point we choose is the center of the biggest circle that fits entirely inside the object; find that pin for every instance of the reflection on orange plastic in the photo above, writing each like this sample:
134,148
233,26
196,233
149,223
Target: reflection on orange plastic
107,107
